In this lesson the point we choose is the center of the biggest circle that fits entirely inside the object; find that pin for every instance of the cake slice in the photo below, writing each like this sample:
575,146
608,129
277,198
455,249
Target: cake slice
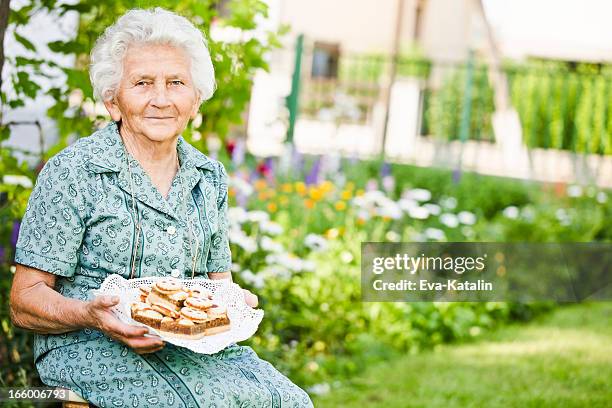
169,293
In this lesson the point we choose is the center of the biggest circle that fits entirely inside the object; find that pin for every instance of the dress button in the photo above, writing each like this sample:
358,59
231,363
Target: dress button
171,230
175,273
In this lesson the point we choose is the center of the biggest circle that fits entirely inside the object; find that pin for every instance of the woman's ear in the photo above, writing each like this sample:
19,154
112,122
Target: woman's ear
196,107
113,109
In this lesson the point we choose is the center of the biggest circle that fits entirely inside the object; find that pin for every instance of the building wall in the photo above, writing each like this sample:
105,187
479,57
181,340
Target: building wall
368,26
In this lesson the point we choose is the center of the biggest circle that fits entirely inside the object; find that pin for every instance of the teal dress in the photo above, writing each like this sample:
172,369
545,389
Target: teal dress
79,225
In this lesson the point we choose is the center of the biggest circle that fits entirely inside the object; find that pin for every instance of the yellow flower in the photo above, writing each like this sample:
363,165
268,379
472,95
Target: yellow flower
346,195
272,207
300,188
350,186
315,193
340,205
327,186
287,188
360,221
359,193
332,233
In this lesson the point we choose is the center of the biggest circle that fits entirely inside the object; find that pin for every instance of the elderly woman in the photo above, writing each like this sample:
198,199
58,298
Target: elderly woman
137,200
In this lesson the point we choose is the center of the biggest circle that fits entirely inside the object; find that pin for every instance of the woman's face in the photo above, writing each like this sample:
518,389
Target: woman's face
156,96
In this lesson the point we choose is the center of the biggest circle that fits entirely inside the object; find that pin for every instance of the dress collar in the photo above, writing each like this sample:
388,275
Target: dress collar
108,155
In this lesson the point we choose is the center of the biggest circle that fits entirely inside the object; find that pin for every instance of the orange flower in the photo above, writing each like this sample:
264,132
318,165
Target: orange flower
260,184
272,207
360,221
287,188
309,203
340,205
232,192
263,196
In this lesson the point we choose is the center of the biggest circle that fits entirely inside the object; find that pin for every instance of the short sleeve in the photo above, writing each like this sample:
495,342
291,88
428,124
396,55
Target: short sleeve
52,228
220,256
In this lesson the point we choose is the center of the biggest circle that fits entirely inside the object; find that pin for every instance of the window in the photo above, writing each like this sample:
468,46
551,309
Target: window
325,58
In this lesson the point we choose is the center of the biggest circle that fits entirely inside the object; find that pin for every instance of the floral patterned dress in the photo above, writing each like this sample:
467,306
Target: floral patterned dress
79,225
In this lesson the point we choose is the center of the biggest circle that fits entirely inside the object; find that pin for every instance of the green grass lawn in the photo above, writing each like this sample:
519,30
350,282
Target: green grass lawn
562,359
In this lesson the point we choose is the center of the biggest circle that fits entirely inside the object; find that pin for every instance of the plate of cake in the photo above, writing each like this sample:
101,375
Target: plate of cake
202,315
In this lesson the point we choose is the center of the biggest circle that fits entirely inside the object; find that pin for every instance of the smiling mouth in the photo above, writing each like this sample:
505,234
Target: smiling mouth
167,117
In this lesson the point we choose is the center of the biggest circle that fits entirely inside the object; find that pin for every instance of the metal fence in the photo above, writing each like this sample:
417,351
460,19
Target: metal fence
561,105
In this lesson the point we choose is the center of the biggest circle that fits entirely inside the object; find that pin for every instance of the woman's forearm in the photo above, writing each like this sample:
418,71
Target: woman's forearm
220,275
41,309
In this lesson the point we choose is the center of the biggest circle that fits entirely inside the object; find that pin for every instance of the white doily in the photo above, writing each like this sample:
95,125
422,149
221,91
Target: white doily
244,320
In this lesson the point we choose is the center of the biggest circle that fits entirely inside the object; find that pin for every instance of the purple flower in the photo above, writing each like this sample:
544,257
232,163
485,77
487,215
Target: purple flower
15,233
313,175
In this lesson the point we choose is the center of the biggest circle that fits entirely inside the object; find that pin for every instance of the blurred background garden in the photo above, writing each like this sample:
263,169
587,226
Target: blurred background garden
352,121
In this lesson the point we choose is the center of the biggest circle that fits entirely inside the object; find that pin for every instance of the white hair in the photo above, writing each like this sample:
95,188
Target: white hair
153,26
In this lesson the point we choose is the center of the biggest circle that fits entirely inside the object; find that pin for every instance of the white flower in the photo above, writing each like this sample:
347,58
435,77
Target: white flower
434,209
388,183
450,220
393,236
406,204
574,191
242,186
239,238
563,217
528,213
315,242
449,203
213,143
235,267
237,215
467,217
363,214
249,277
269,245
418,194
271,227
258,216
276,272
76,98
291,262
346,257
320,389
435,234
511,212
419,213
602,197
391,210
467,231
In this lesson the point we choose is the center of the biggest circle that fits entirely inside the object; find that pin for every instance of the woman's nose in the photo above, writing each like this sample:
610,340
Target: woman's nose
160,96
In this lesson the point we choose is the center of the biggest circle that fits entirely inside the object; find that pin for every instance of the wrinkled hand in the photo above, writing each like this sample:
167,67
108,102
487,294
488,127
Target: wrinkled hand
250,298
101,317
